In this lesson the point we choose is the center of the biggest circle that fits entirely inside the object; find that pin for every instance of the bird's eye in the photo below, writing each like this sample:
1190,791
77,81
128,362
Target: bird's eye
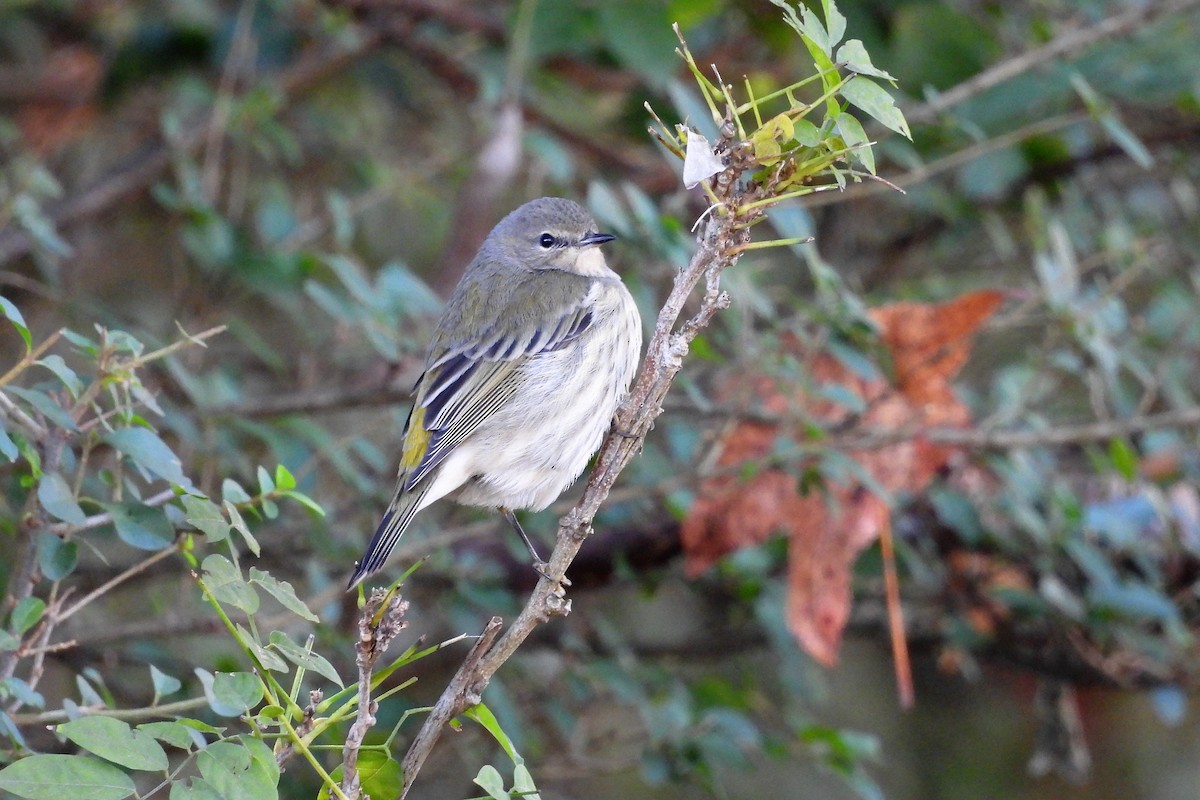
546,240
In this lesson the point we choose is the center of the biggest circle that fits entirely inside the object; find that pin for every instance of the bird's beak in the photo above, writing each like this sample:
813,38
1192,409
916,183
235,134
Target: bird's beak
596,238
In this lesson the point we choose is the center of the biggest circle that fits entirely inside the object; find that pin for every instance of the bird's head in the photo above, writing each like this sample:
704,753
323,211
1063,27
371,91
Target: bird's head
550,233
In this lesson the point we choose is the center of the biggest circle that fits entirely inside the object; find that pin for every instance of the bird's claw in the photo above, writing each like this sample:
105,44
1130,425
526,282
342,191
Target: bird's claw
543,569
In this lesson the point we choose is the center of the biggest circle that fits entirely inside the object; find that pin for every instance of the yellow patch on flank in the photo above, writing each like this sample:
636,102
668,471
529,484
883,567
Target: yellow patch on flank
416,440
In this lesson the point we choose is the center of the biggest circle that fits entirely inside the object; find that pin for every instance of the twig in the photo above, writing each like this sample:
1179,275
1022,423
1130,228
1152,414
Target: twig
117,580
382,618
1061,434
1116,25
462,692
141,169
147,712
104,518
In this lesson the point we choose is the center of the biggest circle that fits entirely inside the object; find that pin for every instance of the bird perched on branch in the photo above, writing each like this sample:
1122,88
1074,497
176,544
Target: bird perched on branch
535,349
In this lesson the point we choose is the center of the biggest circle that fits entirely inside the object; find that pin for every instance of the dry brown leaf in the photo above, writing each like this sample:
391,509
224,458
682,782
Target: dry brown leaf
928,344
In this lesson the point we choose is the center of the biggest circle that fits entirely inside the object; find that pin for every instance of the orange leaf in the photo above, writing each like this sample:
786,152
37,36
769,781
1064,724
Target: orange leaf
820,557
928,345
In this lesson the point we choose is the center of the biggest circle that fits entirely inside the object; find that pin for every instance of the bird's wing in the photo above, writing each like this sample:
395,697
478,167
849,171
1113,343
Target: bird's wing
465,384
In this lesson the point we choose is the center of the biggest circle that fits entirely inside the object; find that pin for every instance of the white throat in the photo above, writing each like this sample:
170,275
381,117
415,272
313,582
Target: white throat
592,264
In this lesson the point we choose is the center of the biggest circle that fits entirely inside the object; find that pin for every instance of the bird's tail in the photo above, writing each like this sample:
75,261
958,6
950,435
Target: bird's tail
399,514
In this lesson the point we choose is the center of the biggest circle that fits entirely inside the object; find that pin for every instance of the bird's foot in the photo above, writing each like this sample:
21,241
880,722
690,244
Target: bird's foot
543,569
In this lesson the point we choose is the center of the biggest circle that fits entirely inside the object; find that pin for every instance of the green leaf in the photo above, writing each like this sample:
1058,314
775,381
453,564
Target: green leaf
195,789
56,497
304,658
19,690
232,492
523,785
262,757
201,726
13,314
226,584
858,60
305,501
144,447
267,658
113,740
490,781
55,364
239,525
9,728
175,734
1124,460
230,694
284,479
283,592
26,614
54,777
56,557
235,769
265,484
852,133
164,684
639,35
46,406
835,23
806,133
8,448
379,773
8,642
206,516
872,98
484,716
140,526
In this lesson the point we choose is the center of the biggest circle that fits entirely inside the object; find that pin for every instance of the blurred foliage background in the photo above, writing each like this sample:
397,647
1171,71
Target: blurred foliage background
315,176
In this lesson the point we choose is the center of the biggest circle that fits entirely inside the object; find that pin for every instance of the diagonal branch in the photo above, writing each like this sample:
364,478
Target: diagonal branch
664,358
1127,22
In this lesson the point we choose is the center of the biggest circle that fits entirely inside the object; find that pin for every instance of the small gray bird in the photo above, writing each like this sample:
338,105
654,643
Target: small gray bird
537,346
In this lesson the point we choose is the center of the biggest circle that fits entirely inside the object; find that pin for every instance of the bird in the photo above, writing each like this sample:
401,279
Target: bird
534,351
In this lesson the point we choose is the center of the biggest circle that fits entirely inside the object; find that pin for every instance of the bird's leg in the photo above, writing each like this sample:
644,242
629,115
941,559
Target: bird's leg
539,565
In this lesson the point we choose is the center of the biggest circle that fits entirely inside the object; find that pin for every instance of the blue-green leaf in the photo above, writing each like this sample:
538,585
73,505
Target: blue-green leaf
26,614
230,694
226,584
55,364
56,497
164,684
140,526
490,781
283,592
46,405
206,516
876,101
53,777
235,769
113,740
56,557
302,657
13,314
144,447
175,734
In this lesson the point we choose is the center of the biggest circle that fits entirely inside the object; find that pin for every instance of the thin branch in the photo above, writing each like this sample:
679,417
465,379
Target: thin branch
129,714
115,581
1121,24
462,692
381,619
664,358
104,518
138,171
